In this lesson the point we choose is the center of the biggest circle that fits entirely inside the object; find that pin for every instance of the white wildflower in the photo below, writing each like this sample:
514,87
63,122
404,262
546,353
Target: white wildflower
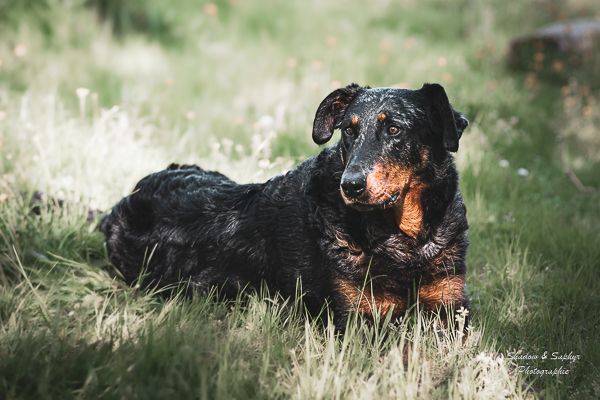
523,172
265,122
20,50
82,92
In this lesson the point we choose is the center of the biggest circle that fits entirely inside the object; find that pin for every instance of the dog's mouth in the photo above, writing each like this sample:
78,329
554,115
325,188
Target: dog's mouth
392,200
365,207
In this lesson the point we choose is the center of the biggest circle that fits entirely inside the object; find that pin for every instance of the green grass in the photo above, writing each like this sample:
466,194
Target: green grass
236,91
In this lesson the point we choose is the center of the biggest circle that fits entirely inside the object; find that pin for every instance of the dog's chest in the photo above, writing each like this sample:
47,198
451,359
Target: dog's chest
395,272
388,279
394,253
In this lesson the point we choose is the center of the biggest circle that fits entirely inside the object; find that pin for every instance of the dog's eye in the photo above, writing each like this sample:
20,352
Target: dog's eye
349,131
393,130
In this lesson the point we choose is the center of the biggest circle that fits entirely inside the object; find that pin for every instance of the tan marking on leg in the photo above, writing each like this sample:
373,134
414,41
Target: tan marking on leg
366,302
442,291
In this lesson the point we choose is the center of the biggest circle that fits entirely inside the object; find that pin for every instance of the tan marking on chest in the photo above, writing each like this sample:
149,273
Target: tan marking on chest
367,302
384,181
409,214
442,291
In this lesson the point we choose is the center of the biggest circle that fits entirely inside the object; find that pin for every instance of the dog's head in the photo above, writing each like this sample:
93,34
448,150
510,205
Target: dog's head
389,136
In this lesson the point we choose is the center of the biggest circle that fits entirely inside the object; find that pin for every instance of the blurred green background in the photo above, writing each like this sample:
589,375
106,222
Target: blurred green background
94,94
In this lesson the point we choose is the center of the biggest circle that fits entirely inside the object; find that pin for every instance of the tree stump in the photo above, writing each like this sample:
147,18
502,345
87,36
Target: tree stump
559,49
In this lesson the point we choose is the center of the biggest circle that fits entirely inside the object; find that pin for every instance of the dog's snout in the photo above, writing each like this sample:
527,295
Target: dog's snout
353,184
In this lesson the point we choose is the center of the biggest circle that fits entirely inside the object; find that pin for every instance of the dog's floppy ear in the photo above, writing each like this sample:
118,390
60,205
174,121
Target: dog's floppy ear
446,120
330,112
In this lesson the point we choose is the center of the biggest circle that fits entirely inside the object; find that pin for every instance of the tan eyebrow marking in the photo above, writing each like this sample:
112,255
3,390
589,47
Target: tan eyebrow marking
354,119
381,117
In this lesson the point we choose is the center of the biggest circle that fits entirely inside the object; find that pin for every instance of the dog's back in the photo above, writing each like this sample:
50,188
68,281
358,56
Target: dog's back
187,224
160,232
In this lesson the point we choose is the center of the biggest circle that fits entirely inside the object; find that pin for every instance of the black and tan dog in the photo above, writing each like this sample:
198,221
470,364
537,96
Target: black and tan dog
374,222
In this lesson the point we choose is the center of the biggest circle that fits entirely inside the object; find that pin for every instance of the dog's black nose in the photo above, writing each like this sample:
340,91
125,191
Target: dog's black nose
353,184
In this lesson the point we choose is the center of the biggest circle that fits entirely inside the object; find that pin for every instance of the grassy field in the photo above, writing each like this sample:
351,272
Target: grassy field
95,94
